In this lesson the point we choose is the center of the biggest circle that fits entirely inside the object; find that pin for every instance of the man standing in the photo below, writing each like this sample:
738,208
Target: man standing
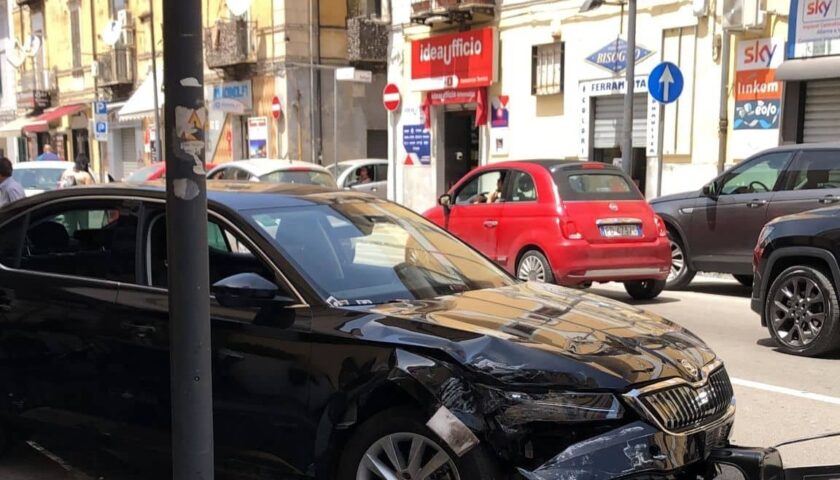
48,154
10,189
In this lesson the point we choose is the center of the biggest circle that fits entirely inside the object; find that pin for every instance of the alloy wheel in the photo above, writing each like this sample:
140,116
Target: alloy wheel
799,311
531,269
677,261
406,456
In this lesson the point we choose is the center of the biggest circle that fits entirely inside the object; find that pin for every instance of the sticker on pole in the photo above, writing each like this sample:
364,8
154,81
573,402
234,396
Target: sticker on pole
391,97
665,82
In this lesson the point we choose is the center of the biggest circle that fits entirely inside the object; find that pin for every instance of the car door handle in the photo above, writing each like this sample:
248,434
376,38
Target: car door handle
373,189
756,203
491,223
829,199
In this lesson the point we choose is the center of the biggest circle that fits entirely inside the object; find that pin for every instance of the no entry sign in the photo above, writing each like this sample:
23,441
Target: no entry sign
391,97
276,109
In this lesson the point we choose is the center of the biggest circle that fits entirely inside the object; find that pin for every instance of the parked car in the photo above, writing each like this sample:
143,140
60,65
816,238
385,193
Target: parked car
716,228
567,222
351,338
796,277
273,171
40,176
349,175
155,171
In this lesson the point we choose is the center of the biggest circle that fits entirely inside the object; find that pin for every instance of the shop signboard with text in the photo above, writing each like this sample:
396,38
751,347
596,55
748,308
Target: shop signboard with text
258,137
814,28
457,60
758,96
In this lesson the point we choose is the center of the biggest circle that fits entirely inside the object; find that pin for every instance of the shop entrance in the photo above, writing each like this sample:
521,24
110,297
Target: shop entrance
461,148
607,133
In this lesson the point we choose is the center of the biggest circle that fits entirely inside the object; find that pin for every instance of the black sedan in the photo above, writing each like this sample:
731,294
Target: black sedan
388,349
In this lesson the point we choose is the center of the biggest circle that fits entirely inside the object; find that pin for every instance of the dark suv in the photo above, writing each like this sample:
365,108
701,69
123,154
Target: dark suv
796,273
715,229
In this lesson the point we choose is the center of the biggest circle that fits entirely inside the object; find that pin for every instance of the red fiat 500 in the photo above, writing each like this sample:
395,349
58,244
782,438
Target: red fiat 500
567,222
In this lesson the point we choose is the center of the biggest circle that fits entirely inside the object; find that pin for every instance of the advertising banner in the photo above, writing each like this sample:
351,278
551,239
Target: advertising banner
457,60
814,28
758,96
258,137
417,142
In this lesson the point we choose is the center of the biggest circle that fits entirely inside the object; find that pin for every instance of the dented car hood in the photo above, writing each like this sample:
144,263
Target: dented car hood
534,334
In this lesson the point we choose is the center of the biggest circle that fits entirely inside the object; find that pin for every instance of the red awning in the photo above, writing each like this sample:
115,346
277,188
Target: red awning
41,122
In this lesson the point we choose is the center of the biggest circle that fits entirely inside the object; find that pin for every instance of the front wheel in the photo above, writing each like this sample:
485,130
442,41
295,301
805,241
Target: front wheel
802,312
396,444
645,289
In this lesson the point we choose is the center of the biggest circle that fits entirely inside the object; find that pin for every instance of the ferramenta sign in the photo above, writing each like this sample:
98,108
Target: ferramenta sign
457,60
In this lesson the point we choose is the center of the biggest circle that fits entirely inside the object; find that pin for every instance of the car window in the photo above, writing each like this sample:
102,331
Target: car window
229,255
38,178
522,187
305,177
594,184
816,170
84,242
484,188
380,173
11,242
759,175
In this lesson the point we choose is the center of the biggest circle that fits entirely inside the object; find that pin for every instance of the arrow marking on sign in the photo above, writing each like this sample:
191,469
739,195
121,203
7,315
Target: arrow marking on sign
666,80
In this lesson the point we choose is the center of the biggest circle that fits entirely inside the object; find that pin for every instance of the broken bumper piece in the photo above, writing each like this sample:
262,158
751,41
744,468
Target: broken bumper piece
635,449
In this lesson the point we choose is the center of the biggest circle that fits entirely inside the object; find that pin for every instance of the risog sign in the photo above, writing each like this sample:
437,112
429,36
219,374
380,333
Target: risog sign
457,60
613,56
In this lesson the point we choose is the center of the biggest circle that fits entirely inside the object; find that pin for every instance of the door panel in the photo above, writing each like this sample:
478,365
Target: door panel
477,210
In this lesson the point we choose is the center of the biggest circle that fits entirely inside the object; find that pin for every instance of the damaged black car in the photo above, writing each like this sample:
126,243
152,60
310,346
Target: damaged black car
352,339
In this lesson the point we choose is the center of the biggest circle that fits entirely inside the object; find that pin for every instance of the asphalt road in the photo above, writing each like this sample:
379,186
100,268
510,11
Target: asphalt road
779,397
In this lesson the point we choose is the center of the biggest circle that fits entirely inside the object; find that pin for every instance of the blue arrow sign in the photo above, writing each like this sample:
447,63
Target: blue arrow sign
665,82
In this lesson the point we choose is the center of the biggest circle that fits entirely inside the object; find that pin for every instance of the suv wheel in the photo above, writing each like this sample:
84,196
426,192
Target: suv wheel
745,280
681,272
396,444
645,289
533,266
802,312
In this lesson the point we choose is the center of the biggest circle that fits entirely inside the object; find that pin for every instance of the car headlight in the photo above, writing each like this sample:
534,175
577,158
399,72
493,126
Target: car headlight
562,407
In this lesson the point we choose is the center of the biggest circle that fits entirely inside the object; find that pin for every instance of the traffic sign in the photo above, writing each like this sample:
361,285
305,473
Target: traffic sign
665,82
276,109
101,131
100,108
391,97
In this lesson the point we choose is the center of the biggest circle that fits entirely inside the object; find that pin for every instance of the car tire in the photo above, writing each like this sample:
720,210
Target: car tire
681,273
792,318
533,266
745,280
644,289
401,427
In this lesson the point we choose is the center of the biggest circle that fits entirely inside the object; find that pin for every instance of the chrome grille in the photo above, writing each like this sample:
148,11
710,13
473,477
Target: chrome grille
683,407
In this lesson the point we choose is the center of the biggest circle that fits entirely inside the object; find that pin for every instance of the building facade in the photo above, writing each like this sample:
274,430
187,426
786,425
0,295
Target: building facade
486,81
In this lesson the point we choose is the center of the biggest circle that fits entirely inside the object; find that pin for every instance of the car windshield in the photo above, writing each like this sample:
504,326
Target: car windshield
363,253
306,177
143,174
38,178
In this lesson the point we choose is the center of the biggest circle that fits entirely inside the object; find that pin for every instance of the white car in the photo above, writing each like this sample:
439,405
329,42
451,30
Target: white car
348,175
39,176
273,171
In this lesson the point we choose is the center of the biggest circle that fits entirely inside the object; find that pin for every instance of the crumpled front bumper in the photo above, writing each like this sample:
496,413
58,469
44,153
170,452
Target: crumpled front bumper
635,449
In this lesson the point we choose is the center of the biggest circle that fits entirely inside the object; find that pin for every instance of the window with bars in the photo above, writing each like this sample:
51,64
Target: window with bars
547,69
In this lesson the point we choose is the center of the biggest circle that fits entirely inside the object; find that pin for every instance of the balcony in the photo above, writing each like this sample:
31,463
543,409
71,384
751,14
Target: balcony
231,45
367,42
433,12
117,72
34,86
21,3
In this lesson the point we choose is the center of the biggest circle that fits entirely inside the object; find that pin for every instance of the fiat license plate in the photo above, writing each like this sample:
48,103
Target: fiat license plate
618,231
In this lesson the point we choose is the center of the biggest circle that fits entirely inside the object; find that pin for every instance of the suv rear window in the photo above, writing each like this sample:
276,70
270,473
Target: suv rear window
594,185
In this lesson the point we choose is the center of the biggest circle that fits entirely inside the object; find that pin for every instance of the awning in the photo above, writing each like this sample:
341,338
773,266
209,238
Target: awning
809,69
15,127
41,122
142,101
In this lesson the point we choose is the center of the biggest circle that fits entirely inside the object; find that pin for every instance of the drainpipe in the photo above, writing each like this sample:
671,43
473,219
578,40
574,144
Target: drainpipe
723,114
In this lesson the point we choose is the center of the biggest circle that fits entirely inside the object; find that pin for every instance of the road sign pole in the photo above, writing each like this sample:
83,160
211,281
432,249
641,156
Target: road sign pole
660,149
630,81
185,119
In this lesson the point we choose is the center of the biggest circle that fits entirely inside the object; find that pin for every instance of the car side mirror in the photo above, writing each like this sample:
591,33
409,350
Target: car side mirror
445,201
249,290
712,190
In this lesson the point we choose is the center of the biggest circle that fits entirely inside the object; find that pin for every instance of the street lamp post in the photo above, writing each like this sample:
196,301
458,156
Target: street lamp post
630,79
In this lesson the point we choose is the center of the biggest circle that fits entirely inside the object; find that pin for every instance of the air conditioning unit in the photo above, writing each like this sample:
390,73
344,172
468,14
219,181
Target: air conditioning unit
744,14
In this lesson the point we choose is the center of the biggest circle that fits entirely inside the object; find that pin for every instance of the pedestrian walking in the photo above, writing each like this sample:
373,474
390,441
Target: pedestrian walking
79,174
48,154
10,189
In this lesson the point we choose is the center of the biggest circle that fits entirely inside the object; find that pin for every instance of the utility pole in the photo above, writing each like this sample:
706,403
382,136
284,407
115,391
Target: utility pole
630,81
185,118
156,156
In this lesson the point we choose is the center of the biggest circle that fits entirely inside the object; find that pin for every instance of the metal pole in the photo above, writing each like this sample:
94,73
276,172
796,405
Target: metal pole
98,164
660,140
335,124
723,108
627,150
185,117
392,158
155,80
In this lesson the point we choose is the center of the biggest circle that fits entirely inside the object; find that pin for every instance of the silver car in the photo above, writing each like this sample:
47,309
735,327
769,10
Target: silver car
273,171
350,175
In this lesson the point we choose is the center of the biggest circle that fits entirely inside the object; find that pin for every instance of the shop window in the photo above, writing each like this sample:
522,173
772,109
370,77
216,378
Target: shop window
547,69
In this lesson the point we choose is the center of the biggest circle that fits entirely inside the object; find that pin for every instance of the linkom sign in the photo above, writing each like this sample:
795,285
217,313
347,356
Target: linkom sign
457,60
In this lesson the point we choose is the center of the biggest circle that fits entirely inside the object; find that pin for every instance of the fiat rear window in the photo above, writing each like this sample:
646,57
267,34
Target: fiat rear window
589,185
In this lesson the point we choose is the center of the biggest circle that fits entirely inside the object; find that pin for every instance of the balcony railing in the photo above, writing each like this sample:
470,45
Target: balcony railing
34,87
230,43
367,41
452,10
116,67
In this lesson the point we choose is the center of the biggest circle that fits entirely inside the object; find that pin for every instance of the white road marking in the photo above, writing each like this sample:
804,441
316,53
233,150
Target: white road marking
786,391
